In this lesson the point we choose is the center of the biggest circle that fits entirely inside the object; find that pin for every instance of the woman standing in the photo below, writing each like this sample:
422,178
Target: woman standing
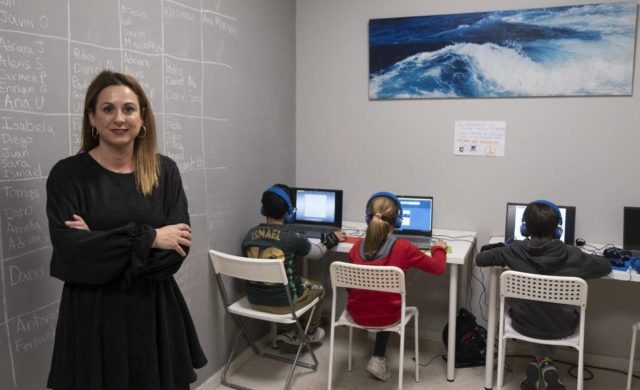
119,226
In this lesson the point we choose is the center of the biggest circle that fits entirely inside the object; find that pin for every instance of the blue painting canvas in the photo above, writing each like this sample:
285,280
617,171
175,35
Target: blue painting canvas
579,50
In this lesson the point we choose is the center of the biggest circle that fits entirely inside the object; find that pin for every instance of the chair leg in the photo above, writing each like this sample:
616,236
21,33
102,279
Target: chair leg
230,358
331,339
294,362
502,346
248,339
273,331
580,367
417,352
261,353
350,342
305,342
401,358
634,330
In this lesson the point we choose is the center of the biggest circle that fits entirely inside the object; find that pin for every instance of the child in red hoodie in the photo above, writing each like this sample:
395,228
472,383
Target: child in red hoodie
381,247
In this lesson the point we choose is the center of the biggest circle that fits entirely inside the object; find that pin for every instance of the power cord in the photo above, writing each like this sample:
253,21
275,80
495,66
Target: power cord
428,362
353,231
595,250
599,251
483,295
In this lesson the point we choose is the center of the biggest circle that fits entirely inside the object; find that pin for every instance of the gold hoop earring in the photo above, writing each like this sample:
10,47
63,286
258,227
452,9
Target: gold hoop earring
143,134
94,132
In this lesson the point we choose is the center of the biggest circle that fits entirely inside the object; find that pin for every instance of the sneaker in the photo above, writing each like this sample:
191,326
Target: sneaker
533,377
312,285
550,377
317,335
291,337
288,337
377,367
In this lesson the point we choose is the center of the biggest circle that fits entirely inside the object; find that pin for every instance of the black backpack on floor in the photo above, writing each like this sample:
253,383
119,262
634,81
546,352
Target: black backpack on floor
471,340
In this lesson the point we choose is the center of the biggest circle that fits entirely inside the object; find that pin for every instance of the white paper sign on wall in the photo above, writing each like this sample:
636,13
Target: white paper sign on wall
479,138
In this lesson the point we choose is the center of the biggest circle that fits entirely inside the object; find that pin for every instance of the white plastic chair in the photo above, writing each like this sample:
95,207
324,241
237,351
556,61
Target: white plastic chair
553,289
267,271
634,329
370,277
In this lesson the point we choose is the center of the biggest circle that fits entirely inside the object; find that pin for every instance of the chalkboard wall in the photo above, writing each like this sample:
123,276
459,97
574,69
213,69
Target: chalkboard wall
220,76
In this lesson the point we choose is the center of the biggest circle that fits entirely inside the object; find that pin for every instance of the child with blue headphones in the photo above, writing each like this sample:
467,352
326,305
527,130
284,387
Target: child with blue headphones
543,253
380,247
276,238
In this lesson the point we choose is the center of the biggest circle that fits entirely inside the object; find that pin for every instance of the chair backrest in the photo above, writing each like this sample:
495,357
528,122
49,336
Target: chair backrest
568,290
367,277
257,270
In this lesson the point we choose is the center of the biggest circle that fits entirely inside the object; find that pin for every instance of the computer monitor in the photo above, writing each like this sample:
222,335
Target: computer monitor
417,215
631,228
317,206
514,221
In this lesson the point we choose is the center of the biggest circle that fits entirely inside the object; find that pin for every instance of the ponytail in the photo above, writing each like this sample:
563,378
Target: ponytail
383,212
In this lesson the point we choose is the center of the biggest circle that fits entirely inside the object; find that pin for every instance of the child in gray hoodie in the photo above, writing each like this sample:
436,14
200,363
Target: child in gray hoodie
542,253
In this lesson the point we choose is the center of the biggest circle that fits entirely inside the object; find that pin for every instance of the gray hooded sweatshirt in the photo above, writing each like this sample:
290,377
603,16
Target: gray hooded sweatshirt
545,257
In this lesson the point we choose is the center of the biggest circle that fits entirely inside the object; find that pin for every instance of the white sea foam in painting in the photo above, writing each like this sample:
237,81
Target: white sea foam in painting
583,50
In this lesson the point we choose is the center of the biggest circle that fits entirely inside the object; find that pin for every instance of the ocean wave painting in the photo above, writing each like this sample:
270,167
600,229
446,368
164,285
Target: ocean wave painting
579,50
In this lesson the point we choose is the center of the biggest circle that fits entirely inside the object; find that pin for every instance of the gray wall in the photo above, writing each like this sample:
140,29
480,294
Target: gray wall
220,75
579,151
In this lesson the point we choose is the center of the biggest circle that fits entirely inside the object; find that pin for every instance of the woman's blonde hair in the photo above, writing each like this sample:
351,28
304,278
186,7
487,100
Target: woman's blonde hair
145,150
383,212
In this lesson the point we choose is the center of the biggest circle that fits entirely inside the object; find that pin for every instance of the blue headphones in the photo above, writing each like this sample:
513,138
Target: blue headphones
369,215
556,233
290,214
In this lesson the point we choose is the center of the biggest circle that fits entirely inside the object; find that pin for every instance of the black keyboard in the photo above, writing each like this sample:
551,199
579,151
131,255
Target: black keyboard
310,233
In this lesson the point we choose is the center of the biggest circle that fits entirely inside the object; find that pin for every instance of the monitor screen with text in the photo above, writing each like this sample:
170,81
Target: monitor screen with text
417,215
319,206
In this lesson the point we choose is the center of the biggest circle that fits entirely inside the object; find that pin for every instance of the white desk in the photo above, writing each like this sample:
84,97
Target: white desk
631,276
461,242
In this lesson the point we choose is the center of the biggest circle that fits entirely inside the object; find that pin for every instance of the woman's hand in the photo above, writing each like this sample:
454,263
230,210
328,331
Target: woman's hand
172,236
77,223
